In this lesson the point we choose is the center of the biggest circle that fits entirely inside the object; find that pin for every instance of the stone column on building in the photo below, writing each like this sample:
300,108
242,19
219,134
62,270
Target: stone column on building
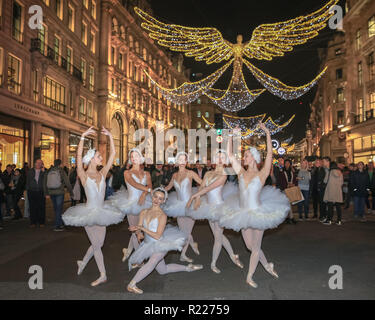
64,147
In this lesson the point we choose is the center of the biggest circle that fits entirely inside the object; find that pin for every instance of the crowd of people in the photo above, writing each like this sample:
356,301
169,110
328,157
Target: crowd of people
324,183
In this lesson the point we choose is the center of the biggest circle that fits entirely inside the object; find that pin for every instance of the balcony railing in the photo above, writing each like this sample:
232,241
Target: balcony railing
14,86
51,54
53,104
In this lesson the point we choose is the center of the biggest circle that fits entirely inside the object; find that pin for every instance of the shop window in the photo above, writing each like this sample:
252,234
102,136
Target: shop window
366,143
49,145
358,144
74,140
14,143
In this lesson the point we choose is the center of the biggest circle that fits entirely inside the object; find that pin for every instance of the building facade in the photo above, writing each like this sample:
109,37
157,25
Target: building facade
342,122
82,68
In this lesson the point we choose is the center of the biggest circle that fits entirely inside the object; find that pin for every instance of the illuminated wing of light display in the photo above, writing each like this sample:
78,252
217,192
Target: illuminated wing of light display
207,44
249,125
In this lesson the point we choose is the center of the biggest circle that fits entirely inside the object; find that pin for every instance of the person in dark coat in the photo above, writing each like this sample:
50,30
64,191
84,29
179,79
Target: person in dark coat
372,184
200,170
314,186
360,187
18,187
36,193
7,178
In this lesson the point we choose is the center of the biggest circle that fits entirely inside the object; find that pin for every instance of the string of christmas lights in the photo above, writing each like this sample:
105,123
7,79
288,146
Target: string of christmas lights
207,44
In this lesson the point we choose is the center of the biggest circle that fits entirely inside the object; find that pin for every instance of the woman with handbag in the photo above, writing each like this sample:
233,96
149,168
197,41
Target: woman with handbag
288,179
333,193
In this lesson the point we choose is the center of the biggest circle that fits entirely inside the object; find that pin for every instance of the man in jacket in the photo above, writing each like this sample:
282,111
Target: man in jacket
36,194
56,180
7,178
360,184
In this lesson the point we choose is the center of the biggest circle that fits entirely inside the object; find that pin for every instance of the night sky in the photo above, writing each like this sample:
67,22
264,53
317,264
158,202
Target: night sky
241,17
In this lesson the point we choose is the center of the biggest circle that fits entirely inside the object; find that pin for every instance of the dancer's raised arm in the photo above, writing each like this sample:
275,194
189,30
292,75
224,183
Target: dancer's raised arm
236,165
265,172
112,155
196,178
129,178
80,170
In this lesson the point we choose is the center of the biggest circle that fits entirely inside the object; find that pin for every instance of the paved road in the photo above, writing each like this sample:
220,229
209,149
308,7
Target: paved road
302,255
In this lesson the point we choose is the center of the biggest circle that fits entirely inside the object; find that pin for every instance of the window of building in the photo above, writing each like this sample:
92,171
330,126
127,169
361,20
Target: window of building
71,105
338,51
360,74
137,48
86,3
17,25
339,95
358,39
69,59
207,115
371,27
113,85
1,65
54,95
199,101
84,33
120,61
371,66
91,78
120,92
43,37
112,56
83,71
372,101
114,26
59,9
46,2
360,110
71,18
90,112
338,74
82,108
199,125
93,9
199,114
57,49
131,42
122,32
340,117
35,86
14,74
92,42
144,54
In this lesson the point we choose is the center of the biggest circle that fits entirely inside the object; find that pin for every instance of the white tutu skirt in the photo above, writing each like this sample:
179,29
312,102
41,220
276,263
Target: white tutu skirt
173,239
175,207
213,212
274,208
121,202
82,215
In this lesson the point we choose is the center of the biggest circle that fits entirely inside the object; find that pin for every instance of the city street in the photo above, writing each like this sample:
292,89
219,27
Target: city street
302,254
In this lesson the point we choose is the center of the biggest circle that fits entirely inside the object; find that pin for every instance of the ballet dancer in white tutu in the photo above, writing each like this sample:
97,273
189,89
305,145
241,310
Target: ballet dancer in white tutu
212,208
133,200
94,215
257,208
158,240
176,206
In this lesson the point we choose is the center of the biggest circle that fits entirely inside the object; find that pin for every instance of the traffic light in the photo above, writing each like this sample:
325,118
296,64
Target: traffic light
219,124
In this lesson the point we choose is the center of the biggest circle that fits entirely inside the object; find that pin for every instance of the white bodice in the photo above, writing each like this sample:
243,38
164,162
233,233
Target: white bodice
183,190
134,193
95,196
249,196
152,226
215,196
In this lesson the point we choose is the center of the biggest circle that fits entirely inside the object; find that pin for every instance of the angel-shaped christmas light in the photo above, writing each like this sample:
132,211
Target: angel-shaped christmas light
207,44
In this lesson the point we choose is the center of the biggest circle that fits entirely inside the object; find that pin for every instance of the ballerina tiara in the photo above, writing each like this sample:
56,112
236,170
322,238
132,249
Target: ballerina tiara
88,156
255,153
180,154
139,152
161,190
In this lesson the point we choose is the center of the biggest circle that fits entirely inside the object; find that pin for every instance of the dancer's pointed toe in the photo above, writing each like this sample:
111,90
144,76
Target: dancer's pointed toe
133,288
126,253
271,271
81,266
184,258
194,267
100,280
236,261
215,269
194,246
251,283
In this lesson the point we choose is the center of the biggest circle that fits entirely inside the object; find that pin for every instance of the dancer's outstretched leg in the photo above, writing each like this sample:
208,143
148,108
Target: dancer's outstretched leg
97,235
247,235
186,225
133,242
218,243
157,262
90,252
256,241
